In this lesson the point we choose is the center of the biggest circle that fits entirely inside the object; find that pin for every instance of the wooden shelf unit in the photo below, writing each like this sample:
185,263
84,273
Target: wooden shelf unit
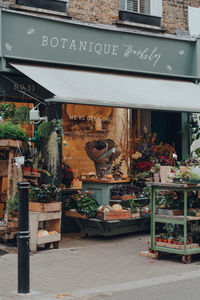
53,223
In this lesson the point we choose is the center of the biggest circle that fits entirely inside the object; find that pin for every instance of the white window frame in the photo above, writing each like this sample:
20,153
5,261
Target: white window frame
155,7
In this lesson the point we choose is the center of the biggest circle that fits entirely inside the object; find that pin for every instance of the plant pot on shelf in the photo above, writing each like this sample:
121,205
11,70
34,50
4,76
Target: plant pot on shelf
34,170
26,169
156,177
164,173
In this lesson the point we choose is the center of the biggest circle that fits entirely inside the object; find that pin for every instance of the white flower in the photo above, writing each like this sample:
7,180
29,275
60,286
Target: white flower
174,156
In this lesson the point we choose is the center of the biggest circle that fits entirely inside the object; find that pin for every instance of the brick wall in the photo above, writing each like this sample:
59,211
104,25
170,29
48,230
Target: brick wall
175,14
95,11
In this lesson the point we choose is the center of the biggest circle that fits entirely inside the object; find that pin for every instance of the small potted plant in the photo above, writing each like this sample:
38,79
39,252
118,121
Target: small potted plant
156,174
83,204
116,170
170,240
44,198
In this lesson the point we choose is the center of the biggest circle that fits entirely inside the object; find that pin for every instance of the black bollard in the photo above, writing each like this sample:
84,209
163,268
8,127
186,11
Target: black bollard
23,239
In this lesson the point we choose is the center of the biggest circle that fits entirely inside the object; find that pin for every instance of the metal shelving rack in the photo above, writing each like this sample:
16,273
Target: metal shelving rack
186,252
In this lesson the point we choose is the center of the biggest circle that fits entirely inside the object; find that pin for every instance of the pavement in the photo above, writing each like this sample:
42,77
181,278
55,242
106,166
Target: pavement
99,268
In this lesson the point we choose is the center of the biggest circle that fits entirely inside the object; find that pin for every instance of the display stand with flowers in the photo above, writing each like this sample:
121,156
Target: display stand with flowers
44,216
11,161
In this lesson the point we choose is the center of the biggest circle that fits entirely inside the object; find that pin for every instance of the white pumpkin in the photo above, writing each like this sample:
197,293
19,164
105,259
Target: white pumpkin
42,232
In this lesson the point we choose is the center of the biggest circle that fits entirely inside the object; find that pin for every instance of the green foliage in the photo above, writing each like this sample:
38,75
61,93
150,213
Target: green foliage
8,130
6,110
134,206
44,194
12,204
84,204
21,115
44,131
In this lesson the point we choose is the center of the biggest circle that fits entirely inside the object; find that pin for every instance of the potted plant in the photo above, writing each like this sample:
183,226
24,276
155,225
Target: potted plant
82,203
6,110
116,170
21,115
170,239
44,198
8,130
12,205
156,173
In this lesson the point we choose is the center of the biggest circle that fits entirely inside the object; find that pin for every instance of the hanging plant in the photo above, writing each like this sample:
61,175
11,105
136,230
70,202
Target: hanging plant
21,115
12,204
44,131
53,154
57,126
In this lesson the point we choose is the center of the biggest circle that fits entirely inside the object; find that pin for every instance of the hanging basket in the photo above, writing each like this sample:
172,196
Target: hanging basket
19,160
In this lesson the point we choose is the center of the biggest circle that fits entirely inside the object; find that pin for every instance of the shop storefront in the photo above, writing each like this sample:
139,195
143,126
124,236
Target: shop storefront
129,83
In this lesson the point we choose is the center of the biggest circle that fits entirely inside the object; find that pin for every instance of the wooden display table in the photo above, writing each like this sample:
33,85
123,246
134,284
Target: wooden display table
53,223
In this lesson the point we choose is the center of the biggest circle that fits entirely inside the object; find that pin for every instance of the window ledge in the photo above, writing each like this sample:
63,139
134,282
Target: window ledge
39,10
139,18
141,26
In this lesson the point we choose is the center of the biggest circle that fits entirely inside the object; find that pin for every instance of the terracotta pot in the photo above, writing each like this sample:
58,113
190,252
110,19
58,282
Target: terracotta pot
170,241
160,240
27,169
165,241
34,170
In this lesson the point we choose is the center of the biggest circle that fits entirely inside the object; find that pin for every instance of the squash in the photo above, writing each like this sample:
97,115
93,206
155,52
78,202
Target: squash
53,232
42,232
117,207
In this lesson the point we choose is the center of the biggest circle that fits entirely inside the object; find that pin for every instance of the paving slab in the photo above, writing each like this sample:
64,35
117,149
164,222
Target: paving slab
93,267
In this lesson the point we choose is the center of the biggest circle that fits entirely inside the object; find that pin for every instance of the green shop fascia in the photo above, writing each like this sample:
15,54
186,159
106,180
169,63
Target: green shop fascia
62,61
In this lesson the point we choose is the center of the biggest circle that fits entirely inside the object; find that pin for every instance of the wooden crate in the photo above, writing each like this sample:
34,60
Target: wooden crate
135,215
4,168
10,143
175,246
48,239
170,212
125,197
3,197
1,210
195,211
45,207
114,215
74,214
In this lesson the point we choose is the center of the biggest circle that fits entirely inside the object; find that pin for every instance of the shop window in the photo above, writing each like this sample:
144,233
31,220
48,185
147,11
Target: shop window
141,11
55,5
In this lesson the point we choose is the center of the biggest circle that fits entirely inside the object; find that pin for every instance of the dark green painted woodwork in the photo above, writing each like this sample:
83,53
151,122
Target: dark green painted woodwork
38,39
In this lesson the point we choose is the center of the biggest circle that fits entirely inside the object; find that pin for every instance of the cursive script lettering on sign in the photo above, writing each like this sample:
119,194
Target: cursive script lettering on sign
144,54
